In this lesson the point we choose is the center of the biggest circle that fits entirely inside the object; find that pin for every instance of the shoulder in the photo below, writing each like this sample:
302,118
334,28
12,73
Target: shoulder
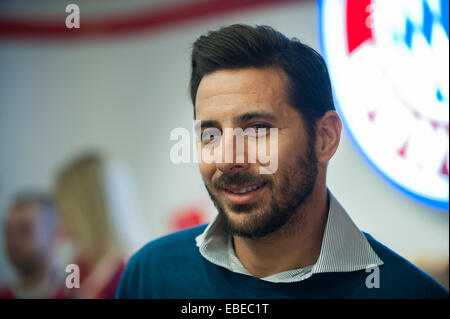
402,277
172,244
160,262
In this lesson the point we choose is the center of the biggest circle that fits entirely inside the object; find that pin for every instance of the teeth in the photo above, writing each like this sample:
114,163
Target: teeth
246,189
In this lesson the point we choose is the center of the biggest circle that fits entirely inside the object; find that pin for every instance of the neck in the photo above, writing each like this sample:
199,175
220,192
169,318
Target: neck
296,245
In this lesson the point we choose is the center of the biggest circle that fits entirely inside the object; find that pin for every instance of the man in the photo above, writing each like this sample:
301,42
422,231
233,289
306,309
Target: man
30,238
278,234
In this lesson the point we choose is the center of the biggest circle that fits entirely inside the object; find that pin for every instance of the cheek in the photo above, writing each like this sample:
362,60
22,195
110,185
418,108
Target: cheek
207,171
291,145
281,151
286,152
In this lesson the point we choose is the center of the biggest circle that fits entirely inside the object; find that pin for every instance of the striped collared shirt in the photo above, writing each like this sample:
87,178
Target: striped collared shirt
344,248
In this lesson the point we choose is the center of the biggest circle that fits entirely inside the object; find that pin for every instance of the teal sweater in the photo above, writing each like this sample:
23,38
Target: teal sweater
172,267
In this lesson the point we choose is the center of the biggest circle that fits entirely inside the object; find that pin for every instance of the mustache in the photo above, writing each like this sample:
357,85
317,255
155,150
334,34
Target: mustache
239,178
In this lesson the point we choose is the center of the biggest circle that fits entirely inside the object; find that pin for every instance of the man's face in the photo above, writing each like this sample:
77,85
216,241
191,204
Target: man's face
27,239
254,205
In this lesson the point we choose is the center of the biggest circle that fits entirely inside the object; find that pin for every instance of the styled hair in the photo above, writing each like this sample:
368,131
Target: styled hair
242,46
81,198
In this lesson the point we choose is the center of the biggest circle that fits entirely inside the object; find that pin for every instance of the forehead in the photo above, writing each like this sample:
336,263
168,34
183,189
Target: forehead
225,94
23,214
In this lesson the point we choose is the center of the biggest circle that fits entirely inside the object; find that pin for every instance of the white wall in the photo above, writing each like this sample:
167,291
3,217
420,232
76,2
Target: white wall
124,95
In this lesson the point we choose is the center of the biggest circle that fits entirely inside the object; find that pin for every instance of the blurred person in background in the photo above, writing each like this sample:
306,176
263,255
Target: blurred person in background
31,232
81,196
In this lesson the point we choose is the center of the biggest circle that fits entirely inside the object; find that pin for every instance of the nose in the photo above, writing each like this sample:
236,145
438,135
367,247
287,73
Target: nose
232,168
234,153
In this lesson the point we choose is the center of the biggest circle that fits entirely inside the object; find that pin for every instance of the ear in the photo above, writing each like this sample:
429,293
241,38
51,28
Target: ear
328,135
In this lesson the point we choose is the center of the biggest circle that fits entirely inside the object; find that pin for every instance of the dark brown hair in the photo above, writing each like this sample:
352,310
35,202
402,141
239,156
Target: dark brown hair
240,46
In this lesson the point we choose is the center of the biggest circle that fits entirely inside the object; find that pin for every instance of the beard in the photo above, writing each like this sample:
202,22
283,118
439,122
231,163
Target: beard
295,185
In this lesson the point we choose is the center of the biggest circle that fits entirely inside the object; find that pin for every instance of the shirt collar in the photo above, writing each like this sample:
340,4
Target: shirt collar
344,246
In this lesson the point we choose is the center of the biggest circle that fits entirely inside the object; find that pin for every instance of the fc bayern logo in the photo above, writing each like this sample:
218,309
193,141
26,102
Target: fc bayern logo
389,65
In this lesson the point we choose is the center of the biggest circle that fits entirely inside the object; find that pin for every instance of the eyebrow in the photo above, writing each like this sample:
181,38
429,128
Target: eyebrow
239,119
207,123
252,116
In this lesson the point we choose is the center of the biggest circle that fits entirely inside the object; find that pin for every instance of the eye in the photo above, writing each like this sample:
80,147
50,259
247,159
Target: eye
260,126
210,136
258,130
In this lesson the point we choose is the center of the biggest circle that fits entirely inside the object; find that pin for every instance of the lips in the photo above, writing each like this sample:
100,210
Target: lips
244,193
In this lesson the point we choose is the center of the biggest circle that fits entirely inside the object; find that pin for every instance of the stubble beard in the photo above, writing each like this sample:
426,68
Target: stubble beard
283,213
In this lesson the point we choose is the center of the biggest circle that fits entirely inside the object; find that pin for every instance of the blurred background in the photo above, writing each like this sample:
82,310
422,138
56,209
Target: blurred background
102,101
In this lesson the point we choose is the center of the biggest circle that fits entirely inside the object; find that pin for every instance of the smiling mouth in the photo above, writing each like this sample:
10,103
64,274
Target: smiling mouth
244,188
244,193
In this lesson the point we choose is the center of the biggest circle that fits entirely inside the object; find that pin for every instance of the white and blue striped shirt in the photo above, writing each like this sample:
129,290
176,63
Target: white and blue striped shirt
344,248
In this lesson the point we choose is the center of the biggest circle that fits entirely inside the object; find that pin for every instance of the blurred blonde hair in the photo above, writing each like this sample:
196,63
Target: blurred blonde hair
80,196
